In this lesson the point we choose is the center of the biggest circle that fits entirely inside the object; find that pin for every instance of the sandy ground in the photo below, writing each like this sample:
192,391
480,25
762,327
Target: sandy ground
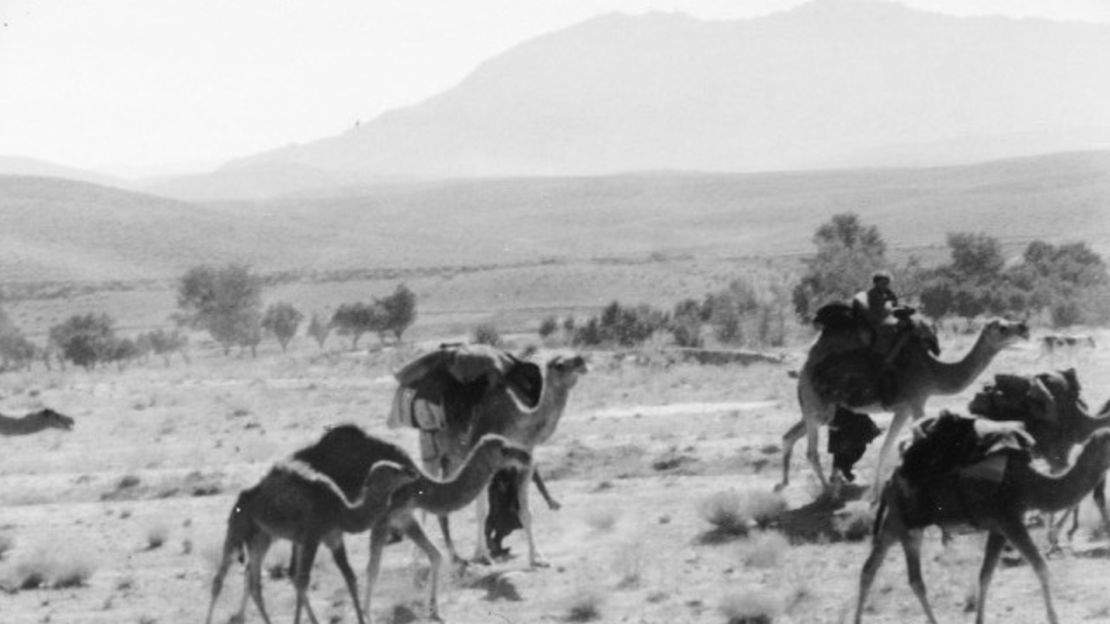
138,494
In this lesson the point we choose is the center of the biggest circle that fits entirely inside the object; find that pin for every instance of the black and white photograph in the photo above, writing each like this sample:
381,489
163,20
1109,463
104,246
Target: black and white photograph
554,311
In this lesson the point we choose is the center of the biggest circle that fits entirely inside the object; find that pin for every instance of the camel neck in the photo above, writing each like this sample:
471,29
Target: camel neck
450,495
955,377
1053,493
20,426
1087,425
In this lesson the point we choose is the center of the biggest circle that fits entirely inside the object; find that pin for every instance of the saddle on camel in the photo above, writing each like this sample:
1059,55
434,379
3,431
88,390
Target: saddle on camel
859,364
440,390
955,467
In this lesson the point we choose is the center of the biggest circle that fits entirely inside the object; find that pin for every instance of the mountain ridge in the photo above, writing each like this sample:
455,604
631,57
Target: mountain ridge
830,83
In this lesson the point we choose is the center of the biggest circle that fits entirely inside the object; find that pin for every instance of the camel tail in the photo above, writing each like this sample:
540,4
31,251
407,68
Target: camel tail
239,528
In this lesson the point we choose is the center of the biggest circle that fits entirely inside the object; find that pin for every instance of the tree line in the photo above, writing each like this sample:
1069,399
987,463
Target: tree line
224,301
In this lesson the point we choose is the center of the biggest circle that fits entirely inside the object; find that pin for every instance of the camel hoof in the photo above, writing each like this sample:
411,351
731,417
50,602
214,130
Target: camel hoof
540,563
780,486
555,506
483,559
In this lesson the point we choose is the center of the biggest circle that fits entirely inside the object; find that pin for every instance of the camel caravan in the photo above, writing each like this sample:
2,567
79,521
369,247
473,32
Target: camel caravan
480,412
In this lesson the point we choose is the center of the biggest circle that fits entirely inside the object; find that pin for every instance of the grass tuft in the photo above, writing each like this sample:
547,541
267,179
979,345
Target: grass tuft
765,549
50,568
751,606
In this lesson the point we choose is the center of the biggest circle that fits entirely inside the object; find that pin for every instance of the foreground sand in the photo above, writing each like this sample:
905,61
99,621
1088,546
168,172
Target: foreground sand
159,453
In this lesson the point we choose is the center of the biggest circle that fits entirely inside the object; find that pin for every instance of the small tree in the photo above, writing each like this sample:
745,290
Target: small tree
354,320
166,343
318,329
249,336
486,333
224,301
398,311
548,326
282,320
85,339
16,350
847,254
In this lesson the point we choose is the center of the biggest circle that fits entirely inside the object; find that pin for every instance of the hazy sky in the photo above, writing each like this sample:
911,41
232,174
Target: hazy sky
143,85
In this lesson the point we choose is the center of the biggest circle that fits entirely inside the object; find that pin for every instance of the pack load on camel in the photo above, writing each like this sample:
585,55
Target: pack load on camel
956,466
1048,404
460,392
858,367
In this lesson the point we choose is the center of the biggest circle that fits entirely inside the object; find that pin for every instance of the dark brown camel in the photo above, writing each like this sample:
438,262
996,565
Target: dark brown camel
1000,511
345,454
298,503
34,422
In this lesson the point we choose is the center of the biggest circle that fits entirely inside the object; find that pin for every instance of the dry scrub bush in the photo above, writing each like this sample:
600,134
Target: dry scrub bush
51,568
764,550
6,543
601,519
733,513
751,606
854,521
156,534
584,605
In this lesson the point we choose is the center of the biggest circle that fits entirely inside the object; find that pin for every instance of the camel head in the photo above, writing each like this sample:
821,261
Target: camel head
511,455
999,334
565,370
51,419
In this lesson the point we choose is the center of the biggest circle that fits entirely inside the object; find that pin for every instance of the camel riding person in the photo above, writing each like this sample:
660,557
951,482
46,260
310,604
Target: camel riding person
877,305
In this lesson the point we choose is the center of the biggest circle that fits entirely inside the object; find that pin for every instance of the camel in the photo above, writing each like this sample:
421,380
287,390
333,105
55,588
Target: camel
1050,407
916,375
480,390
34,422
345,453
1001,513
298,503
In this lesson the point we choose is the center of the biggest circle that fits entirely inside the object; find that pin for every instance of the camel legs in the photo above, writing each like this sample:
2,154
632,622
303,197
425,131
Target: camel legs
257,549
900,418
534,558
1014,530
445,528
911,546
789,439
379,537
879,545
995,542
339,554
218,582
304,555
481,510
435,559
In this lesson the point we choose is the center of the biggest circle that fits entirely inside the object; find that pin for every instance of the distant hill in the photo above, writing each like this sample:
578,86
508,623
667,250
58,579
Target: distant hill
62,230
831,83
19,166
